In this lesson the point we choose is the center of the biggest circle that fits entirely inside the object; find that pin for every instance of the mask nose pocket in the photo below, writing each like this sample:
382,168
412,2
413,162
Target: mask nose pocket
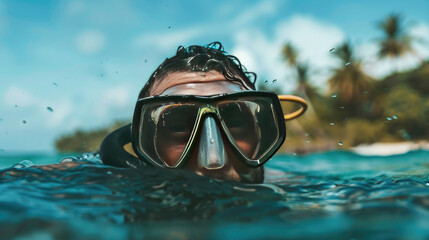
211,153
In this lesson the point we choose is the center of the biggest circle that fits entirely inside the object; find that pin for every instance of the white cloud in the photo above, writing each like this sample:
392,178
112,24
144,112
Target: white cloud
264,8
118,96
113,101
247,58
61,112
167,40
18,96
172,38
379,68
74,8
107,15
90,42
420,34
37,108
312,38
258,54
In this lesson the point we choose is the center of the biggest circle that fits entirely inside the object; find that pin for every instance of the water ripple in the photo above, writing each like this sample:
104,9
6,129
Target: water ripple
78,196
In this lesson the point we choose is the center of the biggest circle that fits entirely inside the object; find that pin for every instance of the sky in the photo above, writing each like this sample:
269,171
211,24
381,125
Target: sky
78,64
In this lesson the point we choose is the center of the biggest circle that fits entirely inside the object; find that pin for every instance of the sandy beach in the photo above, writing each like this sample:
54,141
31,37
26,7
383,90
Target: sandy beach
387,149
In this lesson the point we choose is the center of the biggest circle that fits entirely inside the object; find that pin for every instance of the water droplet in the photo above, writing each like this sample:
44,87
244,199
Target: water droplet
389,118
275,80
23,164
23,121
332,124
395,117
307,141
55,84
50,109
404,134
68,159
332,50
145,61
340,143
334,96
347,63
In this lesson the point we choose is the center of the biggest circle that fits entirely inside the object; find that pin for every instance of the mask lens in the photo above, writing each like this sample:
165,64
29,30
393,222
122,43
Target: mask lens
166,129
252,124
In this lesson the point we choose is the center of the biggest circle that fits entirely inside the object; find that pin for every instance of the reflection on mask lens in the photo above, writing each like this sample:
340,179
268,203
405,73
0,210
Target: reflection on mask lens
171,129
251,124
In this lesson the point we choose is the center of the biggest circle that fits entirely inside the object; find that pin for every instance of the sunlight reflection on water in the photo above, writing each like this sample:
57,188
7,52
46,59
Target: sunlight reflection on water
333,195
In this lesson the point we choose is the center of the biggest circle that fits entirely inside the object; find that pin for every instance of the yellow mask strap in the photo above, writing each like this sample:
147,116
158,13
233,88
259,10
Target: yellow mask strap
129,148
295,99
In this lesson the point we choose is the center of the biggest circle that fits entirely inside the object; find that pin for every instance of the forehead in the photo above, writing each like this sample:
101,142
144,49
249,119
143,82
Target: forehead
195,83
203,89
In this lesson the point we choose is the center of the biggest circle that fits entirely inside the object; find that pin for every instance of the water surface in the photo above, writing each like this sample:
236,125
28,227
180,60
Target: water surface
334,195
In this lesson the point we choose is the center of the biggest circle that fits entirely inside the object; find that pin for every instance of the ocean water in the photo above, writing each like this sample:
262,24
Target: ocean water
332,195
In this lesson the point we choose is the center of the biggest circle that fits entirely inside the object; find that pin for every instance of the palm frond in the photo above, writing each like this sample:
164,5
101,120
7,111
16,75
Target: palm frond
290,54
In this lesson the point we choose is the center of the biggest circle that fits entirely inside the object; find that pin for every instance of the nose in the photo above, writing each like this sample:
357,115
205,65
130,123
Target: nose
211,153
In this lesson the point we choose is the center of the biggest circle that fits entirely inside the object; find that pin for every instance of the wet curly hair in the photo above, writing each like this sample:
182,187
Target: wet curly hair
197,58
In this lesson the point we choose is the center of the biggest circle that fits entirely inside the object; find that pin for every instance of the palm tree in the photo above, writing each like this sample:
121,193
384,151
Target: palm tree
304,88
349,83
308,92
396,41
290,54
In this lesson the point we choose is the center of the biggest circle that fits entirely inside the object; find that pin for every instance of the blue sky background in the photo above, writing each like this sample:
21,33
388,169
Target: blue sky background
87,60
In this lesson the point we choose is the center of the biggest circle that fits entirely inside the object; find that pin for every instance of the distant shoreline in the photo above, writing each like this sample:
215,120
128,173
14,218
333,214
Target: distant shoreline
372,149
388,149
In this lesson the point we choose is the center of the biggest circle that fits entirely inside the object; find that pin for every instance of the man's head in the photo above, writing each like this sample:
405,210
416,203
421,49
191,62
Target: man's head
200,129
201,59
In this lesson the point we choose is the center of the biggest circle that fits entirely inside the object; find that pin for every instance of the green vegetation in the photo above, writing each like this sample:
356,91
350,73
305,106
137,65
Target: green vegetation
356,110
396,42
388,112
85,141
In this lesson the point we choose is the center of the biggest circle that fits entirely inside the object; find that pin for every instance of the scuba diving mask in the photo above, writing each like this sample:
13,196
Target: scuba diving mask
166,129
